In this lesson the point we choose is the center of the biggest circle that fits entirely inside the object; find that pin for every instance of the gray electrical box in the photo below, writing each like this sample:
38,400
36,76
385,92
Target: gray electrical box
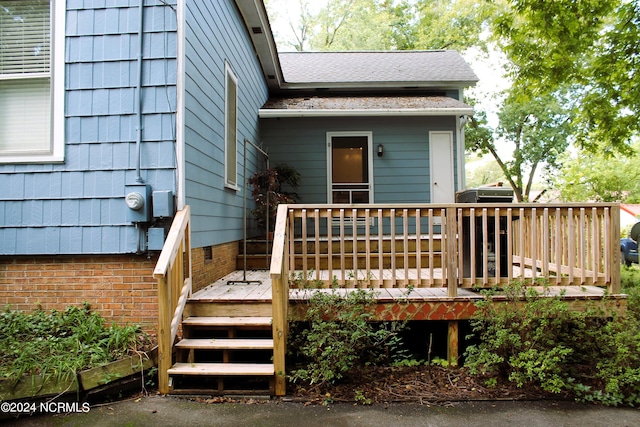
156,238
138,200
163,204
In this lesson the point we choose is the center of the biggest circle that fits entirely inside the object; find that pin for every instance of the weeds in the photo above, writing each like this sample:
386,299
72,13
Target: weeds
61,343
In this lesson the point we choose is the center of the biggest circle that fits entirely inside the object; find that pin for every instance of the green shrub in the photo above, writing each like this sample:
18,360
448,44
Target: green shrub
521,338
532,338
338,335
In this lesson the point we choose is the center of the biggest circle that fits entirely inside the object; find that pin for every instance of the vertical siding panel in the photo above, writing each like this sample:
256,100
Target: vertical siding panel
215,33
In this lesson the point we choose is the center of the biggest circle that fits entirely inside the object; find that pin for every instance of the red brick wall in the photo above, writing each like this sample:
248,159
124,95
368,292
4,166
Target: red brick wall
222,262
119,287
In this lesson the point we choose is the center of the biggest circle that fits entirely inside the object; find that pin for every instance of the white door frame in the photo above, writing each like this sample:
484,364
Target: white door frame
369,136
438,187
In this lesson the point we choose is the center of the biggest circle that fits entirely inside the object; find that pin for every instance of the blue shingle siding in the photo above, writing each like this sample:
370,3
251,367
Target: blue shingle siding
215,34
77,207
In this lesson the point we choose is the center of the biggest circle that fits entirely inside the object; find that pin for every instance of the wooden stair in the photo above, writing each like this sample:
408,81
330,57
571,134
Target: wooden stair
223,355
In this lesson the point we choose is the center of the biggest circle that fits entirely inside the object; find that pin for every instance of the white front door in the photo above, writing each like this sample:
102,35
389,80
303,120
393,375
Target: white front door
441,163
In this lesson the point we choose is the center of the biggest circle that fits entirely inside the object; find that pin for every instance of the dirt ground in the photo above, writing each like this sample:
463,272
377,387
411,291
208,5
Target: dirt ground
423,384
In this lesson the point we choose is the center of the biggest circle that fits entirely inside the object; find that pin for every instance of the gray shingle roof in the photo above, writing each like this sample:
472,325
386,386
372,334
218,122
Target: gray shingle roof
418,67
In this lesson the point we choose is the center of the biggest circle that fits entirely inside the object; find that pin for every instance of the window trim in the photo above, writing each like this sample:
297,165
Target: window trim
370,175
228,183
56,152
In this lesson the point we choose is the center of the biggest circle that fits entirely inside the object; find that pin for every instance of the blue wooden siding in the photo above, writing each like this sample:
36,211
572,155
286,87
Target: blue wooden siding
401,175
77,207
215,34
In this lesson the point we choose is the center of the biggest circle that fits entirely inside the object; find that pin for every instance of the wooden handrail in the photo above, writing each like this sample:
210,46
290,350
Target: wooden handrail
173,275
280,297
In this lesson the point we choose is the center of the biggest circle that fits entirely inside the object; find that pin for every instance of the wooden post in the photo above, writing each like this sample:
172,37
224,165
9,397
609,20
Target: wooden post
279,336
450,233
614,212
452,347
280,299
164,336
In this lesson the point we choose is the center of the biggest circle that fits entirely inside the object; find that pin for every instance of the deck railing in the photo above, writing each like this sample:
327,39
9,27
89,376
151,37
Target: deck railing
173,274
453,245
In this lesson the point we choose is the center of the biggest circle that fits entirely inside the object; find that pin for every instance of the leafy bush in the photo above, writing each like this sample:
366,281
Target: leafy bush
61,343
339,334
536,340
522,339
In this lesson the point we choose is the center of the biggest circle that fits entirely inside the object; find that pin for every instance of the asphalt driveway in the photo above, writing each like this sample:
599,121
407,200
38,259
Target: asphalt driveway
157,411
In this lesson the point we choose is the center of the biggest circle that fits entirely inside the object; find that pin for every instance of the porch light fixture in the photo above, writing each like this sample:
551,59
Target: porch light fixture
380,150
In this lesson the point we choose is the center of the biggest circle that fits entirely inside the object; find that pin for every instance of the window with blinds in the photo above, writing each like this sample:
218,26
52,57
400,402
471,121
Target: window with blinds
25,76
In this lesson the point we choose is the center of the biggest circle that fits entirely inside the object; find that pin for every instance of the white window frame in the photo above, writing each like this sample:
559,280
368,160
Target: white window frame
365,134
55,154
229,180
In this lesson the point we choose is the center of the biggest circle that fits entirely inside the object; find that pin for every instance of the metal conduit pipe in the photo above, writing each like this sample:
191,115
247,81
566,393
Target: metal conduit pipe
138,103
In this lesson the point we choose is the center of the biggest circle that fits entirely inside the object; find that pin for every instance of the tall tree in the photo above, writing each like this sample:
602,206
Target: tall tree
586,47
531,134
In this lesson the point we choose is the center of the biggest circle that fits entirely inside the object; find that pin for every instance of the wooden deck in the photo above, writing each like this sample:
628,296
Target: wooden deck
393,303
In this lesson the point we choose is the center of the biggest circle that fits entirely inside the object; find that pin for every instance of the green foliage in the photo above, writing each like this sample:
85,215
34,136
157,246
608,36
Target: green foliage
61,343
600,177
521,339
532,133
343,25
534,339
339,335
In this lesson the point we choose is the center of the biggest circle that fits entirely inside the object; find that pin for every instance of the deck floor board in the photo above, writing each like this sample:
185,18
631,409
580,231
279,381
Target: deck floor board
232,288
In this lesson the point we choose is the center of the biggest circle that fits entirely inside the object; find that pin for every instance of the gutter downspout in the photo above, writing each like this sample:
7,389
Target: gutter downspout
138,103
462,150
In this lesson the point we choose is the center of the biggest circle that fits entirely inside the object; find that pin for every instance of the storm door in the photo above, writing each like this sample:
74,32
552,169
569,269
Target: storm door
349,168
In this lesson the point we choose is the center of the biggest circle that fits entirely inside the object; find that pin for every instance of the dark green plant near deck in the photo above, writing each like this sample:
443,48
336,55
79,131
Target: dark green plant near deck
268,191
534,339
339,335
58,344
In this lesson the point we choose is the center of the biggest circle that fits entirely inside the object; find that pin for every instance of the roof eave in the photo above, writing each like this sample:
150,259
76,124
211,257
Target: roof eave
272,113
378,85
256,21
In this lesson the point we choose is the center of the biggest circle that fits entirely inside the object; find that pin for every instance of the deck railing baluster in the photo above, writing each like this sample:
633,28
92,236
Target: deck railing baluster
392,217
367,245
380,248
563,244
419,248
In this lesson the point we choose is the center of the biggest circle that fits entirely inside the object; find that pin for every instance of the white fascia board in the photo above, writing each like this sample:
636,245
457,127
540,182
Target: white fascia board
366,86
274,113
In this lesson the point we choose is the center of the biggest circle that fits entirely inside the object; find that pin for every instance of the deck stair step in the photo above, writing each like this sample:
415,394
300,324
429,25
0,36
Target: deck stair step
227,321
226,344
223,369
223,355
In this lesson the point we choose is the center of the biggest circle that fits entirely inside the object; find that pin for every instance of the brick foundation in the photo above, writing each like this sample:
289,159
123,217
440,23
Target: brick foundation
222,262
120,288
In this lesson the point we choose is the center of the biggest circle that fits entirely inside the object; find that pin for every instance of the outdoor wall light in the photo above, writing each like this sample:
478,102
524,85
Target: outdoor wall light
380,150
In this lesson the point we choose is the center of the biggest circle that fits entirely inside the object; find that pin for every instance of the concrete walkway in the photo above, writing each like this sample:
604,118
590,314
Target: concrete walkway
156,411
